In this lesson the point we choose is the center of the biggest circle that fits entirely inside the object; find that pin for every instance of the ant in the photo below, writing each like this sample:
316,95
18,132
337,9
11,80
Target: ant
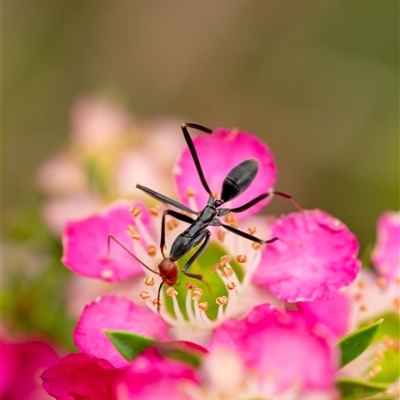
235,183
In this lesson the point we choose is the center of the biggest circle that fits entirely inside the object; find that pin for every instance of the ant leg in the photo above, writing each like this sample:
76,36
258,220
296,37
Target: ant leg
193,151
202,235
165,199
251,203
247,235
128,251
177,215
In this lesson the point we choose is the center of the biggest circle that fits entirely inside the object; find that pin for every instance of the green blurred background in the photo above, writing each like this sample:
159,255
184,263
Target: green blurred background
318,80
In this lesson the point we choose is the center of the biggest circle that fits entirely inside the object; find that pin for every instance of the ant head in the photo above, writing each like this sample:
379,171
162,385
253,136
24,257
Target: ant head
168,271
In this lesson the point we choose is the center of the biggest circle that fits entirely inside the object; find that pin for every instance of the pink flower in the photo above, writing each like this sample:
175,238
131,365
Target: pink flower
81,376
386,255
21,366
314,258
228,148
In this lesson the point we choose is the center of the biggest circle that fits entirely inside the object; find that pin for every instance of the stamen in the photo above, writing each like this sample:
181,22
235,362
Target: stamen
203,306
221,300
136,211
227,272
381,281
221,235
157,303
151,250
144,295
362,284
396,303
375,370
252,229
226,259
172,224
188,305
359,297
379,355
190,285
363,308
197,293
256,246
231,285
190,192
241,258
154,211
171,292
149,281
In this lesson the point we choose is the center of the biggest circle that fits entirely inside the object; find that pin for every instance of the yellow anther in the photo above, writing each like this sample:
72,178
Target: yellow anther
149,281
157,303
221,301
381,281
190,285
256,246
227,272
197,293
203,306
252,230
154,211
151,250
362,284
225,259
241,258
171,292
231,285
375,370
190,192
136,211
215,267
144,295
221,235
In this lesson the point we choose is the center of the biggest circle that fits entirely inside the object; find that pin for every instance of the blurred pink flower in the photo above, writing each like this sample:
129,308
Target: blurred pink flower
21,366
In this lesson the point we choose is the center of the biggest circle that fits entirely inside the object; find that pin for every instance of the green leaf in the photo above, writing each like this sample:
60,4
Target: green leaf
352,389
129,344
356,342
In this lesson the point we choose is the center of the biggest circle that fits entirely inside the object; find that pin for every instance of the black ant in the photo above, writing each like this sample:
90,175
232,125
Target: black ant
235,183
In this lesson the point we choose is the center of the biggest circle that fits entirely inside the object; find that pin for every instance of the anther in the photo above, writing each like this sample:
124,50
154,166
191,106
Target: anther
144,295
362,284
363,308
251,229
375,370
227,272
256,246
215,267
157,303
203,306
225,259
397,280
231,285
149,281
241,258
359,297
379,355
381,281
197,293
221,301
136,211
171,292
154,211
172,224
396,303
151,250
190,285
221,235
190,192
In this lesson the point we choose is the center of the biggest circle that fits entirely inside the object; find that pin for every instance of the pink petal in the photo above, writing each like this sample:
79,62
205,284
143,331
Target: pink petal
314,259
281,347
81,376
333,314
218,154
85,244
21,365
386,255
151,377
114,313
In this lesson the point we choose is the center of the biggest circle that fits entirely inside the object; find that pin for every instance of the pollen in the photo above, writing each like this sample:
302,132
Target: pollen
151,250
197,293
149,281
251,229
225,259
381,281
203,306
144,295
256,246
157,303
222,300
171,292
241,258
154,211
221,235
231,285
190,192
136,211
107,274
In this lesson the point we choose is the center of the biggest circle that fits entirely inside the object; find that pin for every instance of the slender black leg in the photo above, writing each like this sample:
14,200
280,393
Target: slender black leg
247,235
111,237
165,199
177,215
194,153
251,203
203,235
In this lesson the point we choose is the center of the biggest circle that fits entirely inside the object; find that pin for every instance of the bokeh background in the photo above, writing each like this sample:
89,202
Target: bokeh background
317,80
